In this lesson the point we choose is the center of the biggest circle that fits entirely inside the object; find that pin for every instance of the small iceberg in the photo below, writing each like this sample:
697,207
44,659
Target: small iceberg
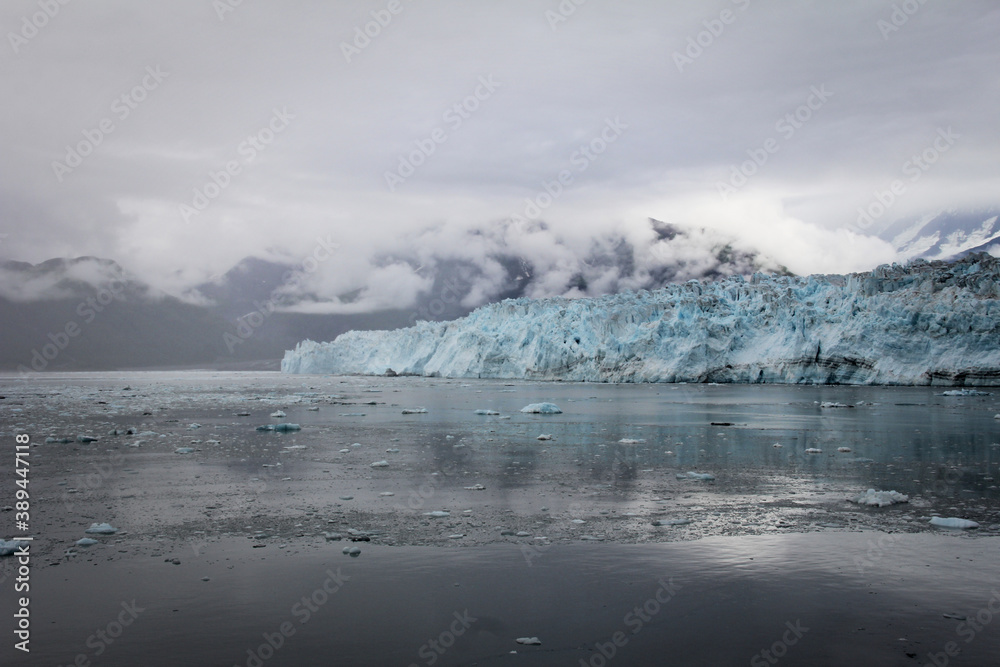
834,404
487,412
871,497
813,450
184,450
414,411
101,529
380,464
86,542
278,414
542,409
529,641
544,436
437,514
475,487
631,441
843,449
280,428
953,522
965,392
8,548
704,476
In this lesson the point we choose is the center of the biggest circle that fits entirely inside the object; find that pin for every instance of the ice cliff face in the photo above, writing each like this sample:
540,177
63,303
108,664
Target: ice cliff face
924,323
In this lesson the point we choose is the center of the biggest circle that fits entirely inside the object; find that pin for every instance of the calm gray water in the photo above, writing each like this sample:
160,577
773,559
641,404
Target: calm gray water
872,586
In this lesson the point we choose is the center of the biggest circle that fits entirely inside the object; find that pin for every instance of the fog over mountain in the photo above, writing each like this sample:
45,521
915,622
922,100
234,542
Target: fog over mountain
90,313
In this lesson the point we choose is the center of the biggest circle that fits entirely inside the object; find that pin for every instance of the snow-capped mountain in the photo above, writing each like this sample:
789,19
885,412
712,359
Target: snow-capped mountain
924,323
944,234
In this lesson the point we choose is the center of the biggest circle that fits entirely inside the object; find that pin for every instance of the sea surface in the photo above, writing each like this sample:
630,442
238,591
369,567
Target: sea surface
476,532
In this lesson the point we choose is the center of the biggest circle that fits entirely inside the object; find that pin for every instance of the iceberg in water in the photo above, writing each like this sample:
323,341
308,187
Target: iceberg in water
879,498
542,409
923,323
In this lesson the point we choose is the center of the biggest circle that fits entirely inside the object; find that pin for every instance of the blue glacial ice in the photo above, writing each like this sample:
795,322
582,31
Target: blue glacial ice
919,324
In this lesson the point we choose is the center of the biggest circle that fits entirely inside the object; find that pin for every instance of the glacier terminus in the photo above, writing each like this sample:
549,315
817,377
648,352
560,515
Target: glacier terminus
923,323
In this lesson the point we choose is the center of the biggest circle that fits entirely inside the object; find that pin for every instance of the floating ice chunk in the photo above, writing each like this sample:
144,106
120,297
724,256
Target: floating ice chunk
194,426
777,445
353,552
487,412
953,522
843,449
64,441
280,428
184,450
631,441
881,498
544,436
578,521
86,542
380,464
345,450
456,536
313,409
996,416
696,475
542,409
965,392
7,548
437,514
101,529
352,414
278,414
834,404
475,487
414,411
672,522
813,450
529,641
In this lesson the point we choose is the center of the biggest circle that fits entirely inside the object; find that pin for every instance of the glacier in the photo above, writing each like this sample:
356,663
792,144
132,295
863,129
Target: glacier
923,323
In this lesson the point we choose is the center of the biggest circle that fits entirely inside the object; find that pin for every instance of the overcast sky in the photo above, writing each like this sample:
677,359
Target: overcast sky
319,124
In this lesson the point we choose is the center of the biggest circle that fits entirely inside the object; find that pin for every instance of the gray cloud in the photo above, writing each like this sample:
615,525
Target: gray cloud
351,122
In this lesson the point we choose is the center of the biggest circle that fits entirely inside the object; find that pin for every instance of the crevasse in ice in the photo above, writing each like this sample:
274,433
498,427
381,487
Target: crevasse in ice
923,323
